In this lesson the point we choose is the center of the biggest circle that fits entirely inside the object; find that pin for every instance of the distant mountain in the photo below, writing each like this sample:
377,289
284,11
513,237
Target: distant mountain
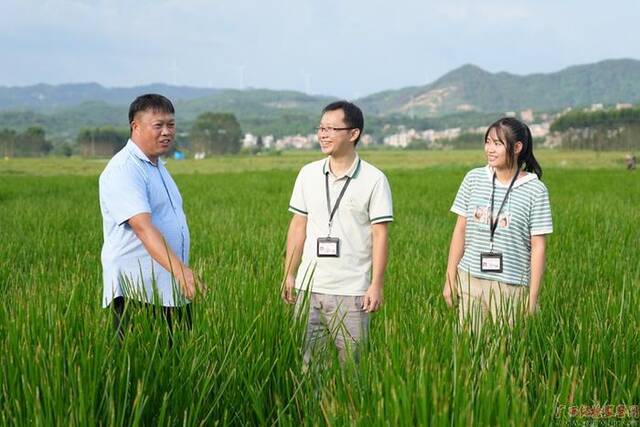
64,109
47,98
462,97
259,111
470,88
255,103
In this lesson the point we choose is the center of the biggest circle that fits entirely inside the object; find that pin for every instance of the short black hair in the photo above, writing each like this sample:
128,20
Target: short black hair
150,101
353,116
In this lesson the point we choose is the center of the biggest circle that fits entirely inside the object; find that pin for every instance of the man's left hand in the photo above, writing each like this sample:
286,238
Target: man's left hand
373,299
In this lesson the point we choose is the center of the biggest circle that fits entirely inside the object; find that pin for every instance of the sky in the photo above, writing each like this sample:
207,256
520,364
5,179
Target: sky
347,48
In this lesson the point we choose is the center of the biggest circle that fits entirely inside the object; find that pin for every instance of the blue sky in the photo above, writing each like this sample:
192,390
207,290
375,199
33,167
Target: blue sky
342,48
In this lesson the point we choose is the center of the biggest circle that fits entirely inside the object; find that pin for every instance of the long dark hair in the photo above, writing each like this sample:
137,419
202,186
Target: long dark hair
510,131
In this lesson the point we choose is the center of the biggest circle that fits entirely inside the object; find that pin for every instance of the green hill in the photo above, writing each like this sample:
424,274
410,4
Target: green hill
259,111
463,97
48,98
470,88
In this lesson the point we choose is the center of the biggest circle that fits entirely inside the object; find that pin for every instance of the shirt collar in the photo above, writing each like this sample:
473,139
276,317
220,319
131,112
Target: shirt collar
522,180
351,173
136,151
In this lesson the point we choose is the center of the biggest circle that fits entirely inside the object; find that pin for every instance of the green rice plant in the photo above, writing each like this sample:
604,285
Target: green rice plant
241,364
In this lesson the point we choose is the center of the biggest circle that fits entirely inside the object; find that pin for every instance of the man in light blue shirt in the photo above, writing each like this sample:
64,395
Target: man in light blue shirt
145,254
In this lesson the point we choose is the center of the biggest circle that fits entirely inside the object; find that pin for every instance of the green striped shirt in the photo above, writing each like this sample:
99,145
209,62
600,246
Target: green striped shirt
526,213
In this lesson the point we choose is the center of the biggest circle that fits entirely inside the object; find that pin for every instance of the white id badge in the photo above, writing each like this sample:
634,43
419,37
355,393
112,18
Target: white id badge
328,247
491,262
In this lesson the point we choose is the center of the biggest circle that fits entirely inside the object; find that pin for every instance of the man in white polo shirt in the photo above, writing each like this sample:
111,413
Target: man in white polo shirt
337,243
146,238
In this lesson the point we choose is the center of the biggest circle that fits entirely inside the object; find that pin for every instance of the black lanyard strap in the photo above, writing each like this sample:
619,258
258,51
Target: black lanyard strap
494,224
330,211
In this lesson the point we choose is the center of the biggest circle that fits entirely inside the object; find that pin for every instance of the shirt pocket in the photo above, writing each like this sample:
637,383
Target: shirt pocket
357,209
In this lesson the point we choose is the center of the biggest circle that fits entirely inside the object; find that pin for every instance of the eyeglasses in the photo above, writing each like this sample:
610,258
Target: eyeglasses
330,129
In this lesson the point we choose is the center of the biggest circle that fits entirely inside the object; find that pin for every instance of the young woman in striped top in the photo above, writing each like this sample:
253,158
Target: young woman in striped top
497,253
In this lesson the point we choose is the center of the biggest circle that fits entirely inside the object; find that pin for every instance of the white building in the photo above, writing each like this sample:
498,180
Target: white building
623,106
400,140
299,142
527,115
268,141
540,130
366,140
249,141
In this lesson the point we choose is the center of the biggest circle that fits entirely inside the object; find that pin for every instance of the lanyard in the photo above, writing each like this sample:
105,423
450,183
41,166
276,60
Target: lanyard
335,207
494,225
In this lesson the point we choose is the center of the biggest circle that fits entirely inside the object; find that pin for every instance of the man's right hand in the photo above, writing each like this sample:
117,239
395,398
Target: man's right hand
157,247
187,282
288,290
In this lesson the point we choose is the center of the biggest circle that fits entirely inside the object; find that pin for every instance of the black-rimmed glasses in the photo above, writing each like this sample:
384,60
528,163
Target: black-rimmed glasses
330,129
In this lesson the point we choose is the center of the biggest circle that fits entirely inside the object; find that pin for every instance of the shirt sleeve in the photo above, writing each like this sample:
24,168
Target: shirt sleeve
124,193
540,220
381,204
461,202
297,204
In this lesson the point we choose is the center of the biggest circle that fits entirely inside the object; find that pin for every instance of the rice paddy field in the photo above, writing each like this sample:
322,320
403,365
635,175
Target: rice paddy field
576,362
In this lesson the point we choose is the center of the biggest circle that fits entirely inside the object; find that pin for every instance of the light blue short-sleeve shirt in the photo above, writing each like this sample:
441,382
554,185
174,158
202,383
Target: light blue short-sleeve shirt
131,185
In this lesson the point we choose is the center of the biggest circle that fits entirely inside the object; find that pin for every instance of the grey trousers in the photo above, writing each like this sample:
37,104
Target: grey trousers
338,319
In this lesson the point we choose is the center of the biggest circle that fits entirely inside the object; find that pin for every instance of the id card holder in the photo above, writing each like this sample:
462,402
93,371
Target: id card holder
491,262
328,247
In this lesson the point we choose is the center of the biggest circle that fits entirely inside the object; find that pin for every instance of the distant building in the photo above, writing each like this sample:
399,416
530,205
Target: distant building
527,115
249,141
623,106
405,137
465,107
299,142
268,141
399,140
366,140
540,130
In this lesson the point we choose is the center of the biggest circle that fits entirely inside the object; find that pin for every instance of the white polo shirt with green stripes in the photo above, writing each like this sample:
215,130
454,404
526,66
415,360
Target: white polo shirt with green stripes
366,201
526,213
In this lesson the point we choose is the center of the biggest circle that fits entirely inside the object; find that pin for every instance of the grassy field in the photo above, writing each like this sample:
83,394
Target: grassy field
292,160
241,363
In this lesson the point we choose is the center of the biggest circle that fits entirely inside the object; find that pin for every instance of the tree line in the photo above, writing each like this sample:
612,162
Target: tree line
598,130
29,143
602,119
220,133
210,133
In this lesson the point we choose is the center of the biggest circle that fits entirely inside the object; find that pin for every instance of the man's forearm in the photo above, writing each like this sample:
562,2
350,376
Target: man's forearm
295,241
157,247
294,256
380,253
